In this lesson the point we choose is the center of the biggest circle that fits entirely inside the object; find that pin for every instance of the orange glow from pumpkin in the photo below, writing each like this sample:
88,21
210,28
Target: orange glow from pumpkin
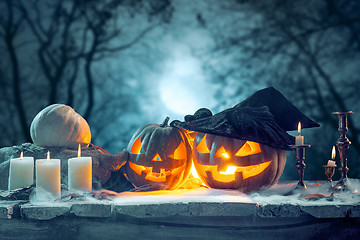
180,152
154,176
221,153
249,148
79,151
157,158
333,153
229,170
194,172
255,169
136,147
202,147
230,174
137,168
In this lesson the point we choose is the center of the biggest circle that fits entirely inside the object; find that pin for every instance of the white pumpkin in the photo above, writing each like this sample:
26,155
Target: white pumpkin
59,125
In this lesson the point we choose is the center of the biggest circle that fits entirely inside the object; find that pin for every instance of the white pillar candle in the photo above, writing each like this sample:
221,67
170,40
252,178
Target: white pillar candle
331,163
48,175
21,172
80,173
299,140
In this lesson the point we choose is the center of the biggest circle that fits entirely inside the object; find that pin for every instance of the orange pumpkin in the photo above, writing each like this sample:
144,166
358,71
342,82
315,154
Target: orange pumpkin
223,162
160,157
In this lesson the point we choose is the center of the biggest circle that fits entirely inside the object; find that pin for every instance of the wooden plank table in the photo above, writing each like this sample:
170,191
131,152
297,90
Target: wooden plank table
185,214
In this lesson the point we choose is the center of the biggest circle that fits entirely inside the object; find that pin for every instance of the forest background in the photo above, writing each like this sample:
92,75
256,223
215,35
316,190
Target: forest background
124,63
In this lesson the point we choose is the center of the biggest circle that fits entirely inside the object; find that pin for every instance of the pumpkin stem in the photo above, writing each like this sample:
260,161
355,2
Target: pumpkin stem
165,122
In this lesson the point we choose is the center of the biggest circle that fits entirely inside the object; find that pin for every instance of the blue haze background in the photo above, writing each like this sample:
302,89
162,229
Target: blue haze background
122,64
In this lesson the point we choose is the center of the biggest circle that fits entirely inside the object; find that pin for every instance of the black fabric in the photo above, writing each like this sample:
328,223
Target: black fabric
264,117
253,124
285,113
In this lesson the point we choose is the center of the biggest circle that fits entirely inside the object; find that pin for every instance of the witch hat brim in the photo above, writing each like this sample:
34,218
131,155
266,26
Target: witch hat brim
285,113
264,117
246,123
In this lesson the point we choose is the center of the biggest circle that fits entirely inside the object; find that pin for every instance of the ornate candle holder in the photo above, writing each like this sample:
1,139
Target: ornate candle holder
300,164
330,171
343,144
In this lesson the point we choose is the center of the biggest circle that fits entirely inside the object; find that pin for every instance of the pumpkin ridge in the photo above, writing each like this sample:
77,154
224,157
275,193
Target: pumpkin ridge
69,123
76,134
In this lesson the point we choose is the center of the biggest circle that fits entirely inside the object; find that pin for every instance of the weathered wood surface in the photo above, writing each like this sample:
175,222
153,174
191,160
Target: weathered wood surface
113,219
125,227
99,219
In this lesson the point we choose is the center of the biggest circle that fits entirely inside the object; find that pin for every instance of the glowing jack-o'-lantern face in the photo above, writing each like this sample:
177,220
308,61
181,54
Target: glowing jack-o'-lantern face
223,162
160,156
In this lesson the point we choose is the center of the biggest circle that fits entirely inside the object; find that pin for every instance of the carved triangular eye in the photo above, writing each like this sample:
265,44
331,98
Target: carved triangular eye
201,147
180,152
249,148
221,153
157,158
137,147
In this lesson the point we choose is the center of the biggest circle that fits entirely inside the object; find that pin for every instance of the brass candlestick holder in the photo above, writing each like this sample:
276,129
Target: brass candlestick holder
330,171
300,165
343,144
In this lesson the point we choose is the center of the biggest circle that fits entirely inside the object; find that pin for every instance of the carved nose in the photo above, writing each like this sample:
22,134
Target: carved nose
157,158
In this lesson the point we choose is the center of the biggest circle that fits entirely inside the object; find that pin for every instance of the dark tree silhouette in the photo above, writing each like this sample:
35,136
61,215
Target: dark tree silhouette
68,42
307,49
10,24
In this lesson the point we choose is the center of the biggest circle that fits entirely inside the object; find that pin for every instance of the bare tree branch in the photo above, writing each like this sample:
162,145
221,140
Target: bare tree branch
10,34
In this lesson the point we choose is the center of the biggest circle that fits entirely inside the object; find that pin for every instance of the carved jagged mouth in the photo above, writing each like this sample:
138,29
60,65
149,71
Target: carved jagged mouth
154,176
233,171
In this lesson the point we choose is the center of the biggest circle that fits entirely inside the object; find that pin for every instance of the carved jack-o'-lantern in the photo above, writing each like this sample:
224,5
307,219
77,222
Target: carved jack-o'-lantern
160,156
243,147
223,162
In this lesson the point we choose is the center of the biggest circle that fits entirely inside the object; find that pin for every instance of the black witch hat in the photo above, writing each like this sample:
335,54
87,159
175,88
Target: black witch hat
285,113
256,119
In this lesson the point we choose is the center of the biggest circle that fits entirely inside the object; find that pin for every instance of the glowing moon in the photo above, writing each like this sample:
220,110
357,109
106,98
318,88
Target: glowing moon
183,87
178,98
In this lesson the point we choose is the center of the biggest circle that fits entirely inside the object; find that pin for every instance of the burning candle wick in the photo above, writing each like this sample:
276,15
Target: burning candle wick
333,153
79,151
299,140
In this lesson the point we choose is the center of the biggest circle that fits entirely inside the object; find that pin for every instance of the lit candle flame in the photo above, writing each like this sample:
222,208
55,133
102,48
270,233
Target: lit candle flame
79,151
225,155
194,172
48,156
21,154
229,170
333,153
299,128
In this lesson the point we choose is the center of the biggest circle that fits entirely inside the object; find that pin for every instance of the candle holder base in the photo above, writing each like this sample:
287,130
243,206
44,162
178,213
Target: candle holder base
342,185
299,188
330,171
343,144
300,164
